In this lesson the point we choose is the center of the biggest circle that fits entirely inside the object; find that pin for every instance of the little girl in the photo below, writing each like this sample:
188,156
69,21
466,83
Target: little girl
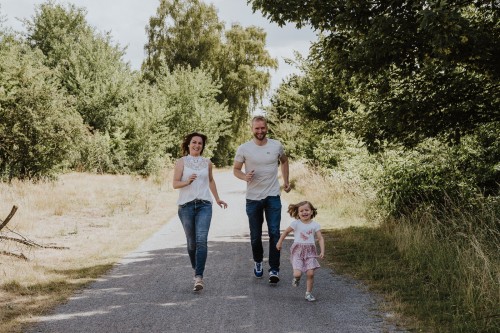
303,250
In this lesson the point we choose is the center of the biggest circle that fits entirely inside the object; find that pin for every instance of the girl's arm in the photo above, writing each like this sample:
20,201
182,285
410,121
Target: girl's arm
321,241
282,238
213,187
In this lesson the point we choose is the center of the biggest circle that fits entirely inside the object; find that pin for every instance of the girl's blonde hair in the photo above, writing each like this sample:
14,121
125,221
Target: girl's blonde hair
293,209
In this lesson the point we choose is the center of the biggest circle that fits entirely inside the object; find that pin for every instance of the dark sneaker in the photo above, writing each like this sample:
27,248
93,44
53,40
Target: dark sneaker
273,276
295,282
258,270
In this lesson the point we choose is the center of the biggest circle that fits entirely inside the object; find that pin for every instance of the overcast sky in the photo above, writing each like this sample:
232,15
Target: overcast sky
127,19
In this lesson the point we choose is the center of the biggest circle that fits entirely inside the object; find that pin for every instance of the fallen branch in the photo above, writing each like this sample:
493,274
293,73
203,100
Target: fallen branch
23,240
10,254
7,219
31,243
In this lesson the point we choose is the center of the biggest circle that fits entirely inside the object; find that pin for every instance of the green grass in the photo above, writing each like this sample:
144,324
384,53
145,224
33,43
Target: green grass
427,284
38,299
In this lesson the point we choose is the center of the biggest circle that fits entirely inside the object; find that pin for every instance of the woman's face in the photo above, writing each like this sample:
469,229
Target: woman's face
195,146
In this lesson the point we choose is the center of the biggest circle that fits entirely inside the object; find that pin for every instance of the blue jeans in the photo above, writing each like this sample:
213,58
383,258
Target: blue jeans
195,217
270,207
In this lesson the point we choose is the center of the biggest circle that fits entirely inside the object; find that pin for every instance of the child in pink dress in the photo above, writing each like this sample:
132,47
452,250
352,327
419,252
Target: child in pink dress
303,251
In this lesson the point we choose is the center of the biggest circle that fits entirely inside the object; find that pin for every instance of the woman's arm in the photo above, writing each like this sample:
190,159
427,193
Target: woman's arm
178,169
213,187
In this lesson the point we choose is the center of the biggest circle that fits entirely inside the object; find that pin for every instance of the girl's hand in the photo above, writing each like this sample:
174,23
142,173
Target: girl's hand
222,204
278,246
322,255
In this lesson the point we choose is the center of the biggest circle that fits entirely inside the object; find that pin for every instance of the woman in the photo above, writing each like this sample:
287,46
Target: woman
193,176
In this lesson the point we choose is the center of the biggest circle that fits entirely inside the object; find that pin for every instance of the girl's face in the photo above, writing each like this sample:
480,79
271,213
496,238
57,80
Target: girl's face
195,146
305,213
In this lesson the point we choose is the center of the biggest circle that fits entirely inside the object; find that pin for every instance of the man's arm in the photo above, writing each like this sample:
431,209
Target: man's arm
240,174
285,173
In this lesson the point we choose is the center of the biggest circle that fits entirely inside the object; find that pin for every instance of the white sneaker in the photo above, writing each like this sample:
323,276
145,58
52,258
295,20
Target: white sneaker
310,297
198,283
258,269
295,282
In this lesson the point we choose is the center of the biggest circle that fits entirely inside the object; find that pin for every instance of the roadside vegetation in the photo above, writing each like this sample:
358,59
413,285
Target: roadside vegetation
438,271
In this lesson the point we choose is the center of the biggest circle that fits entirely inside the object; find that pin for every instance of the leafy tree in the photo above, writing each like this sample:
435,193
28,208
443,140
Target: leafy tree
190,96
183,33
39,127
411,69
89,66
159,116
243,68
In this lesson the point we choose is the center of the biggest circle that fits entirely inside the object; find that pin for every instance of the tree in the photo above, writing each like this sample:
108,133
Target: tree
90,68
411,69
243,68
183,33
39,127
159,116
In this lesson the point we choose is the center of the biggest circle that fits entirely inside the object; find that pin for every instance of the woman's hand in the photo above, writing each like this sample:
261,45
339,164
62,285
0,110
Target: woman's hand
222,204
191,178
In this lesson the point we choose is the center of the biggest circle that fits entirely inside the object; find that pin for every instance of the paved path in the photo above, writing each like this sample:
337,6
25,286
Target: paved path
150,289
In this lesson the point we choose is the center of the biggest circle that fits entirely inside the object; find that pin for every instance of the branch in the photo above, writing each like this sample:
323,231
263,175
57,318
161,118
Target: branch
31,243
7,219
10,254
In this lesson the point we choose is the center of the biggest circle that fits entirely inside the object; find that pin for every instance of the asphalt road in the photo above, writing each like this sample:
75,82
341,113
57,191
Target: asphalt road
150,290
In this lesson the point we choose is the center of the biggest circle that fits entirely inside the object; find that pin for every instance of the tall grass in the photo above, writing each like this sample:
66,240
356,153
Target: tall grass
341,200
458,254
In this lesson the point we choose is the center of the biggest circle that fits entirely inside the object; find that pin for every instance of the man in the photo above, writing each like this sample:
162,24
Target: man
261,157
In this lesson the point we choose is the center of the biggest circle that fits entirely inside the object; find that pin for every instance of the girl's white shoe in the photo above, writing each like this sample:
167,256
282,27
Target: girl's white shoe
310,297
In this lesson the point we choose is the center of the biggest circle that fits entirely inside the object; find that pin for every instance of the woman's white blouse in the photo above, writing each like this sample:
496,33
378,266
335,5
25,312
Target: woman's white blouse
199,188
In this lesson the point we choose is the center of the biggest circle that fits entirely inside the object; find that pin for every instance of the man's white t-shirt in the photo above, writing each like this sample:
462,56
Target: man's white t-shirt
264,160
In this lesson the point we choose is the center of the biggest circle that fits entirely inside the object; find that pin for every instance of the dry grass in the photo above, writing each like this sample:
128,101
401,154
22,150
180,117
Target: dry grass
341,202
86,213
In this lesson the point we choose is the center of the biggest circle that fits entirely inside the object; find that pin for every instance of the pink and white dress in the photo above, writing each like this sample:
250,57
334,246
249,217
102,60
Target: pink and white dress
303,251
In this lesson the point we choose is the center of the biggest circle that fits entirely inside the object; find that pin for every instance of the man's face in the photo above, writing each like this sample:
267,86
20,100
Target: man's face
259,129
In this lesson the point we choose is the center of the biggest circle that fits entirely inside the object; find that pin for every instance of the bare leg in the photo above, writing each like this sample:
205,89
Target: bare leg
297,273
310,280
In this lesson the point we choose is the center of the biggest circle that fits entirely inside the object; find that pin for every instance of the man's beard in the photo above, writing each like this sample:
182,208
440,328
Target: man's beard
260,136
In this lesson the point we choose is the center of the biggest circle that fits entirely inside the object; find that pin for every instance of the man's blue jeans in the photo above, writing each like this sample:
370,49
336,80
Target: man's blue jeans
195,217
270,207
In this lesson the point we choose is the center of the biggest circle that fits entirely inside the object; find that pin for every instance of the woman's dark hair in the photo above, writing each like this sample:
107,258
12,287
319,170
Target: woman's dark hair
293,209
187,140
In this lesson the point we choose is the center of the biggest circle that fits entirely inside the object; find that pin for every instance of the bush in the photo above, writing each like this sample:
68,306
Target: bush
39,127
432,175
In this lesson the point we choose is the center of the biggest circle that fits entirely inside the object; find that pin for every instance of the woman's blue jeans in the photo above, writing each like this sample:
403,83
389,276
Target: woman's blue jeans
270,207
195,217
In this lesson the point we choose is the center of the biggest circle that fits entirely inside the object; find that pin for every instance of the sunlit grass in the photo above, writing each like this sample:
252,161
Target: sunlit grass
87,214
340,201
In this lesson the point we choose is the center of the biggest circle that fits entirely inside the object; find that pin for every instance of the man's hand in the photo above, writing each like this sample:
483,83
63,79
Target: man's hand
249,176
287,187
